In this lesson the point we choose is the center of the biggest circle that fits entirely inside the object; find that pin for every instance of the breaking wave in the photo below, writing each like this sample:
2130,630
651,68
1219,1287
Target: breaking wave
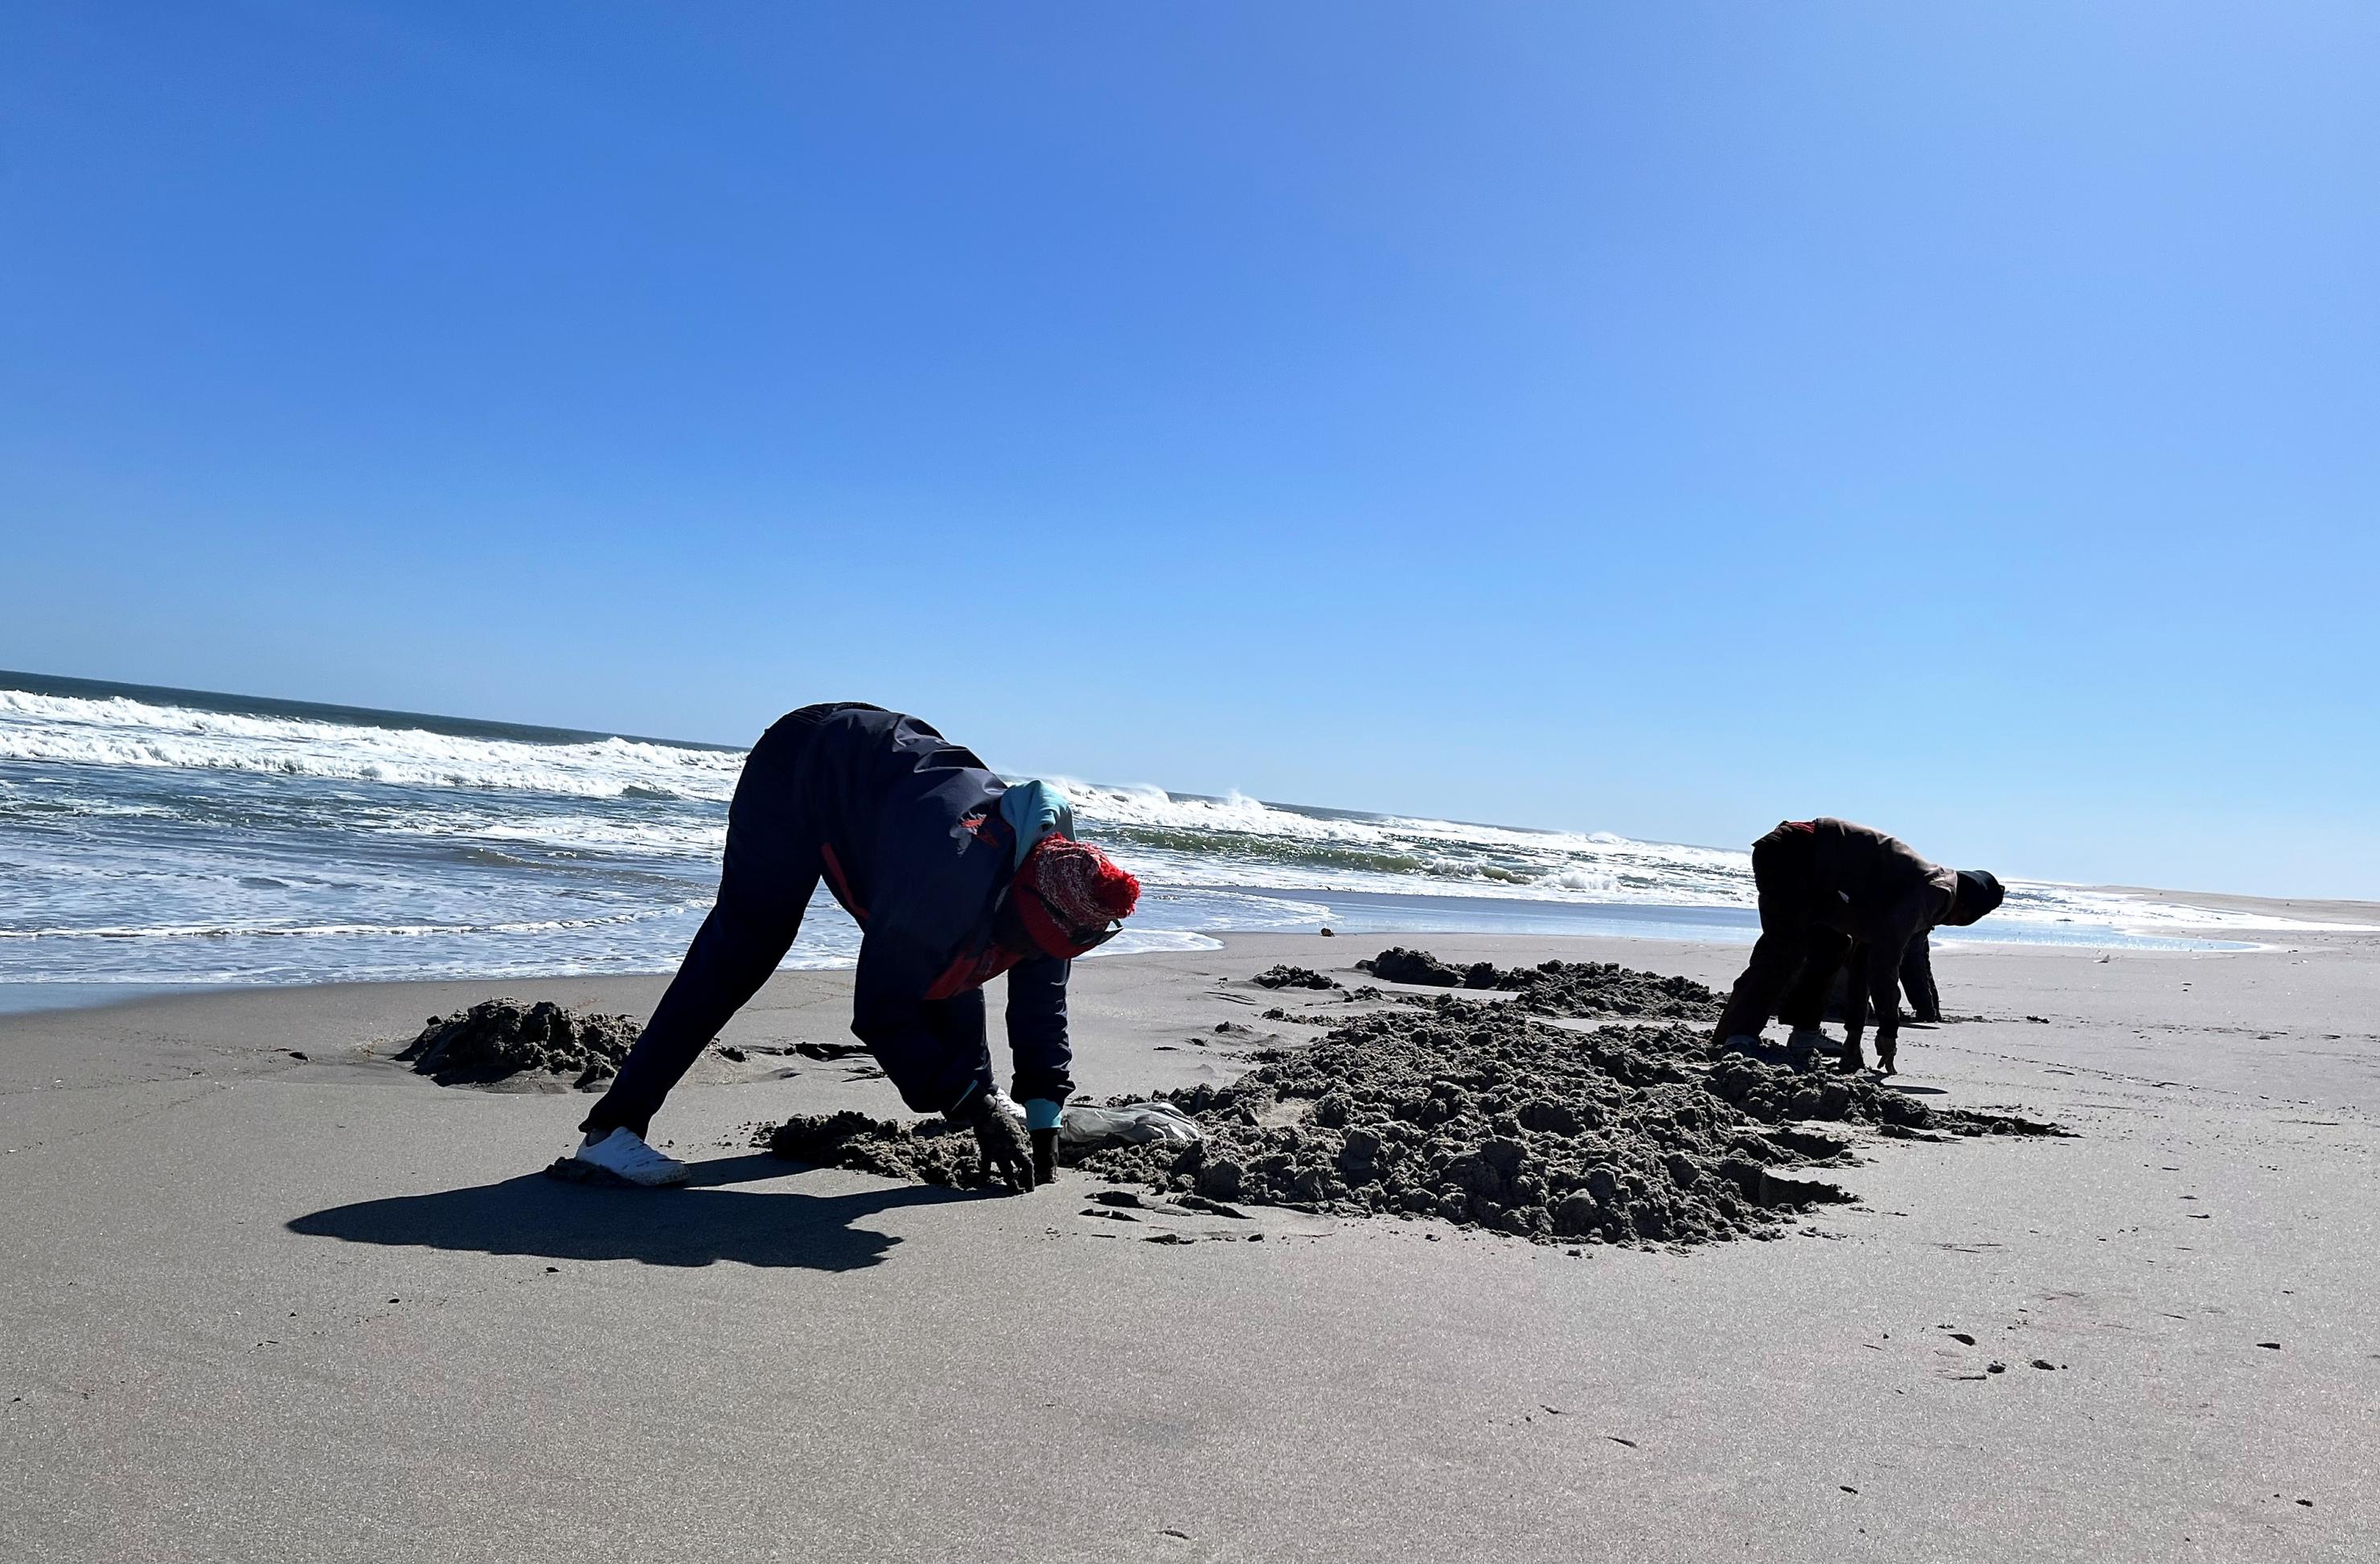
121,732
153,835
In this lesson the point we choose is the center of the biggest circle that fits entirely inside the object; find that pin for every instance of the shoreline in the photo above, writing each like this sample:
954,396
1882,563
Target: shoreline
21,996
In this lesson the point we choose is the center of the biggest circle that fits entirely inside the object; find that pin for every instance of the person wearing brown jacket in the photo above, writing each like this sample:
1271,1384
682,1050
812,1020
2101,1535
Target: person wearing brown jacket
1830,889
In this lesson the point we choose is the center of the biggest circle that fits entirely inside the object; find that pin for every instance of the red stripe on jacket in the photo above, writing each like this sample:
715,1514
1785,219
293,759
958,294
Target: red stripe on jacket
841,883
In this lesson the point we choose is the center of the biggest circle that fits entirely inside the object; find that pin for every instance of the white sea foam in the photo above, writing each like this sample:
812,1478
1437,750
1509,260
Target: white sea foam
122,731
659,805
230,930
1241,842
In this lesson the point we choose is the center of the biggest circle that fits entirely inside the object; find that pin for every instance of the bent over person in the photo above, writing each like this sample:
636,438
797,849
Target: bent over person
1829,890
953,877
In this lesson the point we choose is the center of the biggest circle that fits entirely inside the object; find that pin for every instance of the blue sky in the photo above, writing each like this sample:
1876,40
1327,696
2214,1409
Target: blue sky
1662,420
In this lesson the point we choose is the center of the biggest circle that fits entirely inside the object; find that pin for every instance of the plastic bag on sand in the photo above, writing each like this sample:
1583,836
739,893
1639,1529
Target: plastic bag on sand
1134,1123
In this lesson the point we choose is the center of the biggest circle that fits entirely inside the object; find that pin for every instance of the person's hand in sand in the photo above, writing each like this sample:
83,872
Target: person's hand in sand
1001,1136
954,877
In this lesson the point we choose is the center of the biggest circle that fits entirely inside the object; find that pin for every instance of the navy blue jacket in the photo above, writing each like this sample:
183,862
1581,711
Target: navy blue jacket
912,845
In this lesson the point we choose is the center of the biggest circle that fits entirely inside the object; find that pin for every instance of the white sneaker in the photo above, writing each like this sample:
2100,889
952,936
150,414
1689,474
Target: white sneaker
624,1153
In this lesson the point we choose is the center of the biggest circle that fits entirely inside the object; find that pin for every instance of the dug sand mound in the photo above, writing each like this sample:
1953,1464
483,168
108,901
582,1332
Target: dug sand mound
504,1040
1556,988
928,1150
1483,1117
1489,1118
1293,977
1398,965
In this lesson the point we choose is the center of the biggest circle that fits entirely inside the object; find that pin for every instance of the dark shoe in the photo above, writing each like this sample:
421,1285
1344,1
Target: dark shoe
1853,1060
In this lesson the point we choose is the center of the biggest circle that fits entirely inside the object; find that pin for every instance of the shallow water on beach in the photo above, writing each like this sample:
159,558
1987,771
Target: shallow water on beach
160,837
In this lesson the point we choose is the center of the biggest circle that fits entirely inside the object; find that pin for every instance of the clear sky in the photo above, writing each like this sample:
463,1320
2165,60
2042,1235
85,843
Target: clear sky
1662,418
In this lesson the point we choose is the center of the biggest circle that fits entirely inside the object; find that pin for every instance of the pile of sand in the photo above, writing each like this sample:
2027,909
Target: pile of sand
1486,1118
499,1040
1591,988
1286,976
1483,1116
931,1151
1556,988
1398,965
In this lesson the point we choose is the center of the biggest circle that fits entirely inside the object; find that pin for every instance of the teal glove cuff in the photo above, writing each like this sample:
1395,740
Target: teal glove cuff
1040,1113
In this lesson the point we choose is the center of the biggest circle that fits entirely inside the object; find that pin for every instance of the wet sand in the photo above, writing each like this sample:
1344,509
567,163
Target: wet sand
269,1308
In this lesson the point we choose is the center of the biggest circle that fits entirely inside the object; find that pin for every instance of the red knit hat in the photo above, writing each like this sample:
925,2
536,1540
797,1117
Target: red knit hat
1068,893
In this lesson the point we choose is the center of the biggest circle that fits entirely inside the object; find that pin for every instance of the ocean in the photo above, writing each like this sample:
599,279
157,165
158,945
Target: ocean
159,838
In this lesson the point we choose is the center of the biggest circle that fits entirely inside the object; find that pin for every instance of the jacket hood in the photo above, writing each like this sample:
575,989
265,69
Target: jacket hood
1979,892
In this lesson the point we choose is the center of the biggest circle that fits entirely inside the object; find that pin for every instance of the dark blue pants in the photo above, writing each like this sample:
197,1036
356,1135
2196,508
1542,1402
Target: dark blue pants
765,882
1796,956
766,879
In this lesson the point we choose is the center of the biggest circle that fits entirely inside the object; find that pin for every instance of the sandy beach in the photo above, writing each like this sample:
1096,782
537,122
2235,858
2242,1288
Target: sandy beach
271,1307
1374,585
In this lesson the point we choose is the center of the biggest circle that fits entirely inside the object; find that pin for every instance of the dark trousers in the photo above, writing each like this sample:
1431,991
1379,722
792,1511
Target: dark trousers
1796,956
1847,996
1917,981
765,882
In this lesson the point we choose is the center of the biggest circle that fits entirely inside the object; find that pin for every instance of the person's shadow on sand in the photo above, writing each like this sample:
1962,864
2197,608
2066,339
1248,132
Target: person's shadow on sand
693,1225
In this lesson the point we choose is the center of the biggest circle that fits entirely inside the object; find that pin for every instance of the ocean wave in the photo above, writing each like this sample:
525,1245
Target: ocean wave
2044,901
121,732
1141,942
1219,841
367,796
337,930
